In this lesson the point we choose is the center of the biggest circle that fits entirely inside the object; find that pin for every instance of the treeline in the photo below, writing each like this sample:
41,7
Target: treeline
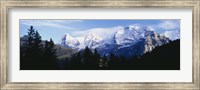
91,60
36,54
165,57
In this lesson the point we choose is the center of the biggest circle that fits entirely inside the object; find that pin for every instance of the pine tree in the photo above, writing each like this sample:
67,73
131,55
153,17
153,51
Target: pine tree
87,58
96,60
122,63
37,41
37,51
31,35
32,50
76,62
49,55
96,55
37,56
103,63
113,63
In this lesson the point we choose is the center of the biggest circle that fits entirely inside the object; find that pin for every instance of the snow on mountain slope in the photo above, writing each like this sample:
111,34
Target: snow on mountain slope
130,35
81,40
69,41
135,40
92,40
173,34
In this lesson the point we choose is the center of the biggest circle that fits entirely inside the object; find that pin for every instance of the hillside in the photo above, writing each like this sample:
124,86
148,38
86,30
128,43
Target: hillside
165,57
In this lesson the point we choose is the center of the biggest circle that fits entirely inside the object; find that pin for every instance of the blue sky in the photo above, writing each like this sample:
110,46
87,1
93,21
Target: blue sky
55,29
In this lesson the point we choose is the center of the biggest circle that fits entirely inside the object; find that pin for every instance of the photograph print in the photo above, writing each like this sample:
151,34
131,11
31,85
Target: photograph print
98,44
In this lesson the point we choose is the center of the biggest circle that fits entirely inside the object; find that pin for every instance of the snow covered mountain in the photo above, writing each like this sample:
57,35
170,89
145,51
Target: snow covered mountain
130,41
173,34
129,35
92,40
69,41
135,40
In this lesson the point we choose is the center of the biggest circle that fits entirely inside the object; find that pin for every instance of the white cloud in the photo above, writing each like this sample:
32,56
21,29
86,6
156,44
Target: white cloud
169,24
102,32
50,23
165,25
152,27
109,32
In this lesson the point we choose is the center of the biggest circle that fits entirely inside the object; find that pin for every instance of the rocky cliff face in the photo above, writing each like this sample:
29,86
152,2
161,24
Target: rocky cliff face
152,40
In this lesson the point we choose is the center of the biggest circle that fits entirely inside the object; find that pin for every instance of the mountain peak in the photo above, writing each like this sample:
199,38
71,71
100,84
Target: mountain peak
69,41
132,27
67,36
92,40
129,35
147,28
172,34
92,36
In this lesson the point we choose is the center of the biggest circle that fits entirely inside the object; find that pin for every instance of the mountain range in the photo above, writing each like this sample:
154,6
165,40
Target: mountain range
129,41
